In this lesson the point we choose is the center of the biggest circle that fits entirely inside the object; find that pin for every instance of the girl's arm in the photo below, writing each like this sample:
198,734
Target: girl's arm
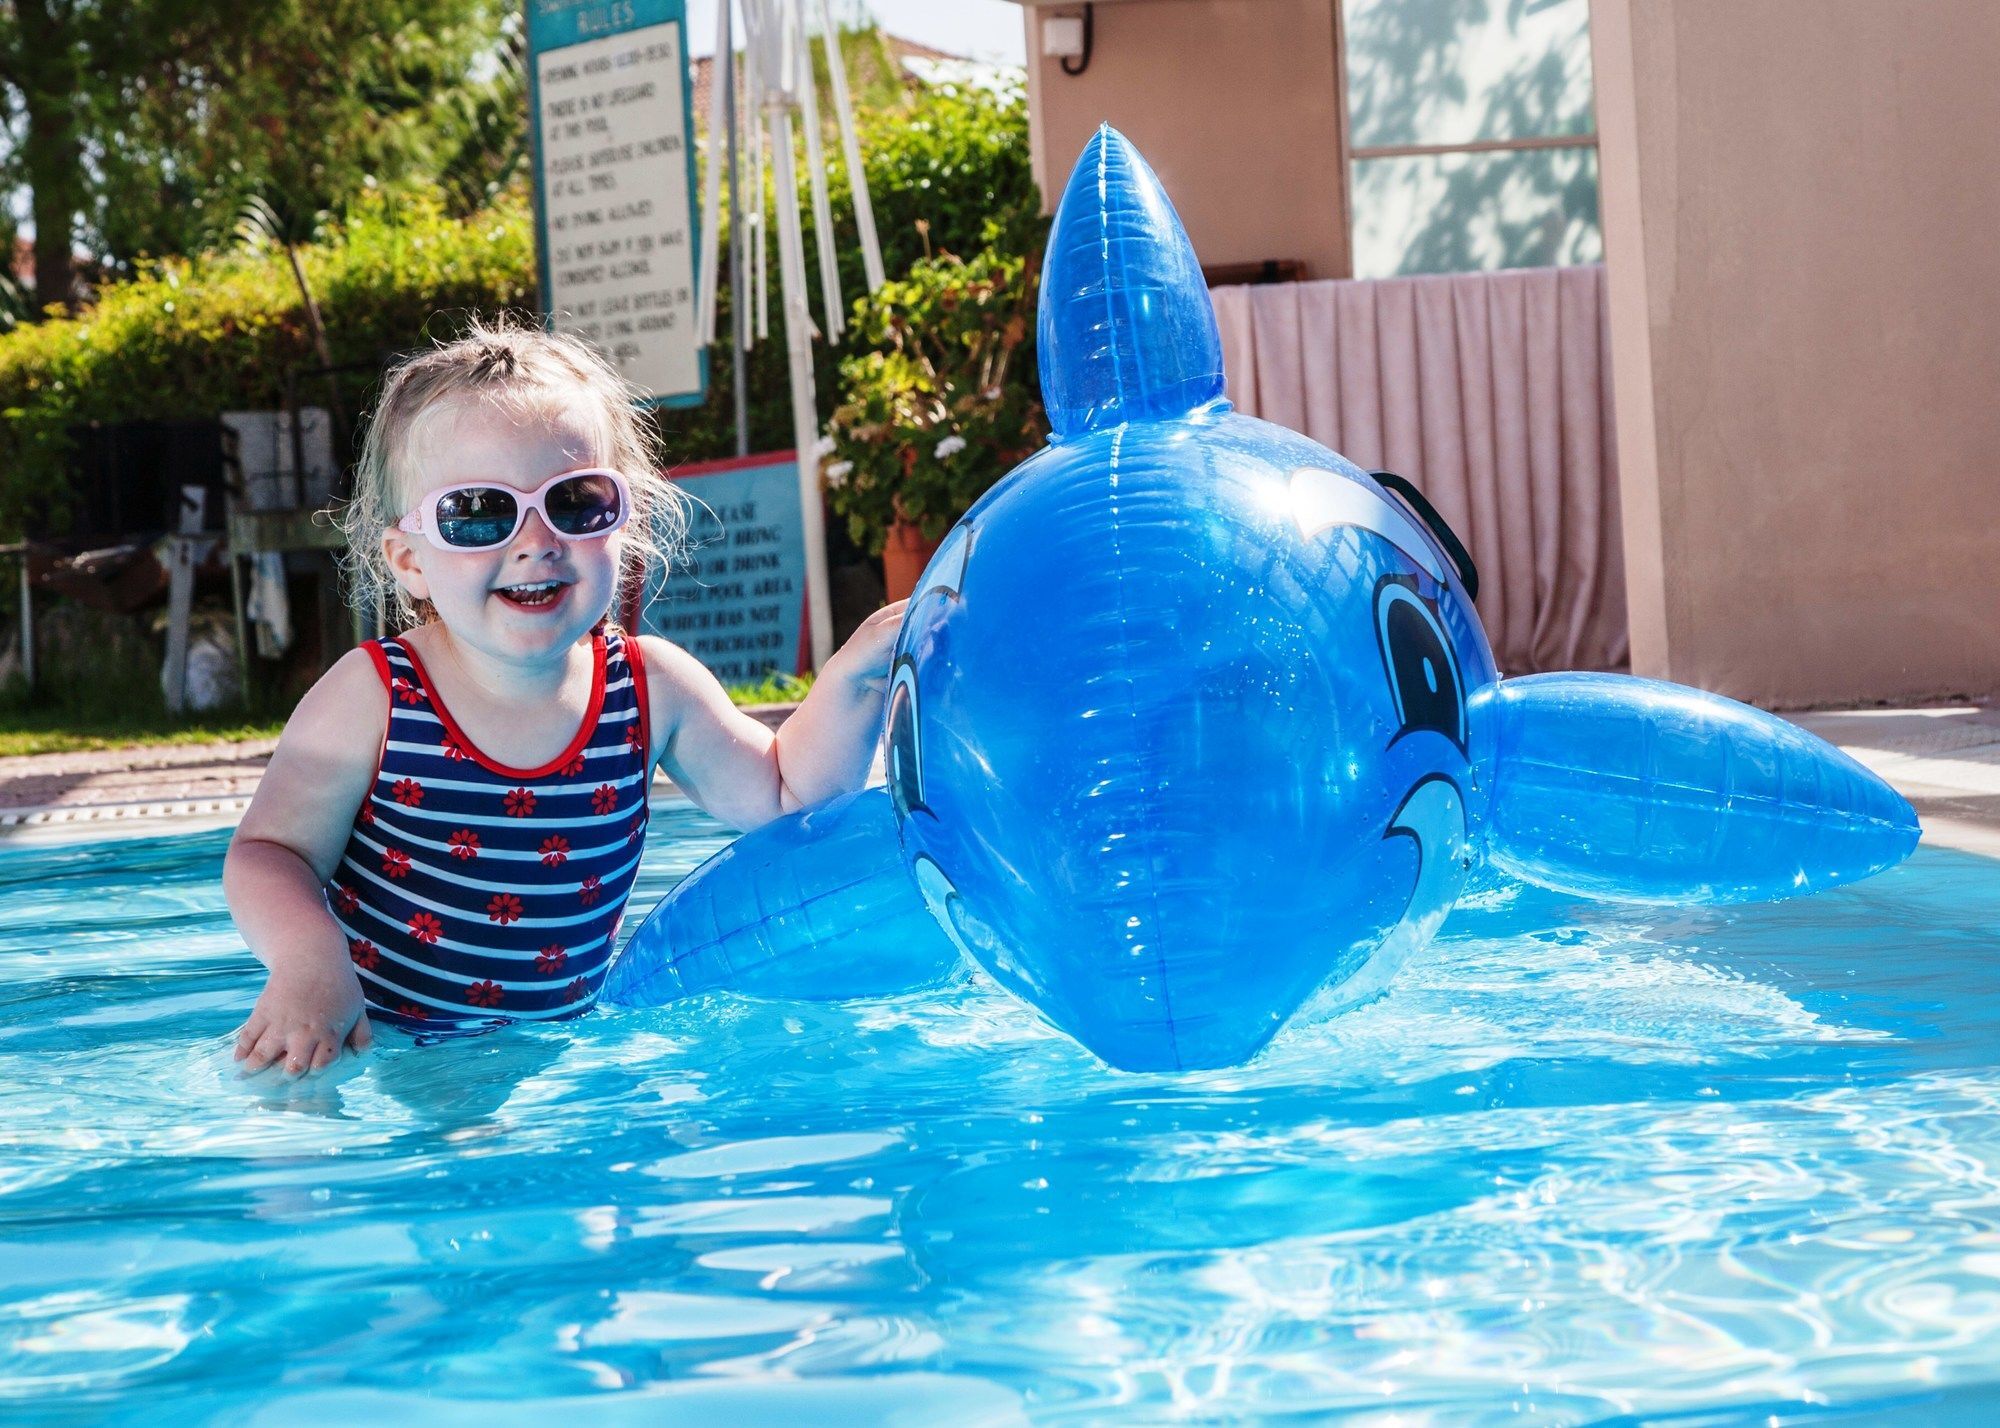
289,842
739,770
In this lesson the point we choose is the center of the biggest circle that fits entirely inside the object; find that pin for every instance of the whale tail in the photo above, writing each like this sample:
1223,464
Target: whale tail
1126,330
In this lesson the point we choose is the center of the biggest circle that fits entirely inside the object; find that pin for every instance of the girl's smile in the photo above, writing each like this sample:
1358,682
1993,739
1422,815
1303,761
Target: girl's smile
542,596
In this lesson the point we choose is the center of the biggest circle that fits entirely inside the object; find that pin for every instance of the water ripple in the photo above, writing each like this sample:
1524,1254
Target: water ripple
1579,1164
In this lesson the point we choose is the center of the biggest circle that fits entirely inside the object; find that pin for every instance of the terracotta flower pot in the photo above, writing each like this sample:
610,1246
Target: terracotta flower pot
904,556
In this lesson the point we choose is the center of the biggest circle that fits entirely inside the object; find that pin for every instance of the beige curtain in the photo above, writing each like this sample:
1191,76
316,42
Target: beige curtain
1490,391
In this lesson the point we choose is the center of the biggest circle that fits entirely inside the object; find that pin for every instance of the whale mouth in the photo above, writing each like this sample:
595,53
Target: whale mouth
1432,815
942,898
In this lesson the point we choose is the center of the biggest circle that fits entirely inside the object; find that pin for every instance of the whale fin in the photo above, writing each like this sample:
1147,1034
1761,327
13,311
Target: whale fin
1126,331
815,906
1641,791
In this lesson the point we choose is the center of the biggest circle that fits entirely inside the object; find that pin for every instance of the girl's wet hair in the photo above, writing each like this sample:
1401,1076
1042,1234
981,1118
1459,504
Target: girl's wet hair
523,371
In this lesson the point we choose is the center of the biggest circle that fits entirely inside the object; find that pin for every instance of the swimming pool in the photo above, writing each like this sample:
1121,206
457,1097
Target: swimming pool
1583,1163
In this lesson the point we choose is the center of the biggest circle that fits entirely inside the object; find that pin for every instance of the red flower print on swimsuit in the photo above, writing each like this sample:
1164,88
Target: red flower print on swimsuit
591,890
395,862
576,991
413,1011
518,802
638,827
555,848
503,908
409,793
604,799
573,767
464,844
454,750
366,954
345,899
405,691
483,994
425,927
635,737
368,811
551,958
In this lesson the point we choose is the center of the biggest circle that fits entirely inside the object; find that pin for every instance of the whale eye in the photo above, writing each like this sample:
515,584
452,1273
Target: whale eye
905,752
1416,656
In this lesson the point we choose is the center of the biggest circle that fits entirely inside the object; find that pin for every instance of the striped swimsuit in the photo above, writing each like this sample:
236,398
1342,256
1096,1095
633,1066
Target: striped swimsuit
473,894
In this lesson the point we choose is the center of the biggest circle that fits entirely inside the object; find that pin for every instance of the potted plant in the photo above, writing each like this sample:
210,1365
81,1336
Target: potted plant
939,405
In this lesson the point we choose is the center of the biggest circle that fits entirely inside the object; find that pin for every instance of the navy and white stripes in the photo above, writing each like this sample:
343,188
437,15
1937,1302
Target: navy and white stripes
472,893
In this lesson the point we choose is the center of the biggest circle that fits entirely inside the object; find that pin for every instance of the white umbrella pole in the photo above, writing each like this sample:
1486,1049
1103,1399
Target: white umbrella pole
829,267
805,409
707,265
754,119
739,317
850,148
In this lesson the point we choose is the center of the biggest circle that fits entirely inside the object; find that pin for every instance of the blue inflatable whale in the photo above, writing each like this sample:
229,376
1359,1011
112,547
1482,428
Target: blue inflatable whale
1191,717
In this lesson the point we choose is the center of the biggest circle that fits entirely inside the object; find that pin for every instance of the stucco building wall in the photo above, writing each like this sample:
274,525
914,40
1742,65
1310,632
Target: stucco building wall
1234,102
1800,204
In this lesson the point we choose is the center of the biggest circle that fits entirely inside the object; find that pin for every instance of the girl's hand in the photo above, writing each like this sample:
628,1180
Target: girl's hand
303,1019
864,660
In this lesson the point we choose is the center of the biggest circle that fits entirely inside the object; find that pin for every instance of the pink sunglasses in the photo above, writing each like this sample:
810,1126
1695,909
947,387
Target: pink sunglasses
479,515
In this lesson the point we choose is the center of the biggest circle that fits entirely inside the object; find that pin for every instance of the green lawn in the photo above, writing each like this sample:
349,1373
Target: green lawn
54,731
77,725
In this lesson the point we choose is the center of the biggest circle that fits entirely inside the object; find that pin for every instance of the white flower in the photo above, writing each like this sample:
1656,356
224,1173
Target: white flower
836,472
823,447
950,447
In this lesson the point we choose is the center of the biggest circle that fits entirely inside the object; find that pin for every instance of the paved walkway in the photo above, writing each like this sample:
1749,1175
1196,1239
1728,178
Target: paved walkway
131,783
126,788
1945,760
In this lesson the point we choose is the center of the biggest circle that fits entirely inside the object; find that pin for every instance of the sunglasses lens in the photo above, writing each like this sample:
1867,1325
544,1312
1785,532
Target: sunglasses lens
584,505
476,516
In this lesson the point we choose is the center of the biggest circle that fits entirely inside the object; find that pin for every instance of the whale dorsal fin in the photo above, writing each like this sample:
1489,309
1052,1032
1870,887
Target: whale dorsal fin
1126,329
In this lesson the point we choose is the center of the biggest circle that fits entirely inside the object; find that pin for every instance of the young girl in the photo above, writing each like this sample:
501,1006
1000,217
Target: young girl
452,819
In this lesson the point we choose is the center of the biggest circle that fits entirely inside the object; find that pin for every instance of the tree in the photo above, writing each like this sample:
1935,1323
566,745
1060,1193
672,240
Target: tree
143,125
40,65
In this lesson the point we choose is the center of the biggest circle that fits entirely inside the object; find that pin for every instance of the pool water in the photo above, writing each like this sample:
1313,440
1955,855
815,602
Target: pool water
1583,1163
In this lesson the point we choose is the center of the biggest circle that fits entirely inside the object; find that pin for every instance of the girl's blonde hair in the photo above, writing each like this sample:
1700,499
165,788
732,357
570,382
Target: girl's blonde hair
524,371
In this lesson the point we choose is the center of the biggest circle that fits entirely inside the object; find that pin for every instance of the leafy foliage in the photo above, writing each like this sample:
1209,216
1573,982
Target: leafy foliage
191,338
153,113
940,166
943,402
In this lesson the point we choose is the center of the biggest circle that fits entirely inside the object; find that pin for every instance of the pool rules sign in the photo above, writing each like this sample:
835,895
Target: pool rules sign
614,185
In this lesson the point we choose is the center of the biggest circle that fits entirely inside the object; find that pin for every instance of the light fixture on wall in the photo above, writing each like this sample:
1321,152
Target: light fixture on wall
1068,38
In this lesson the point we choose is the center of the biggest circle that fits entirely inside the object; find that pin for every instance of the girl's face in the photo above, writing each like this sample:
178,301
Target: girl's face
497,600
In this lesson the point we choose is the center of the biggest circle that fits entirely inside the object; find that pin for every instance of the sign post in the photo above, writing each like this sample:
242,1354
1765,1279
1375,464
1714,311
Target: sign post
614,186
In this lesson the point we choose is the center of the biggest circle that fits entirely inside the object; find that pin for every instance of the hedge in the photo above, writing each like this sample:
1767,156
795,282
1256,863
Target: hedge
192,338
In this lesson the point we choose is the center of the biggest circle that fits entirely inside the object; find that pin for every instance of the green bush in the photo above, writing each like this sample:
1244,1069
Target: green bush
942,401
192,338
939,170
218,333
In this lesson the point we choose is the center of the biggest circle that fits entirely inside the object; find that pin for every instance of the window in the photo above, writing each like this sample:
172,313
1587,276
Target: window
1472,140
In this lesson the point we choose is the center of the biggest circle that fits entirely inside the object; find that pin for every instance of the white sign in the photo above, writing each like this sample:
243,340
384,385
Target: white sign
618,260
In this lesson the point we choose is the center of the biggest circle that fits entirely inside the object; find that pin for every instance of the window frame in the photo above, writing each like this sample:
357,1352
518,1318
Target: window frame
1350,155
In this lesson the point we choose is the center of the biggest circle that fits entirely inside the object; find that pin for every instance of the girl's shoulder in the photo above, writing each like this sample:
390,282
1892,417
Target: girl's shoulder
324,765
348,706
670,670
676,682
